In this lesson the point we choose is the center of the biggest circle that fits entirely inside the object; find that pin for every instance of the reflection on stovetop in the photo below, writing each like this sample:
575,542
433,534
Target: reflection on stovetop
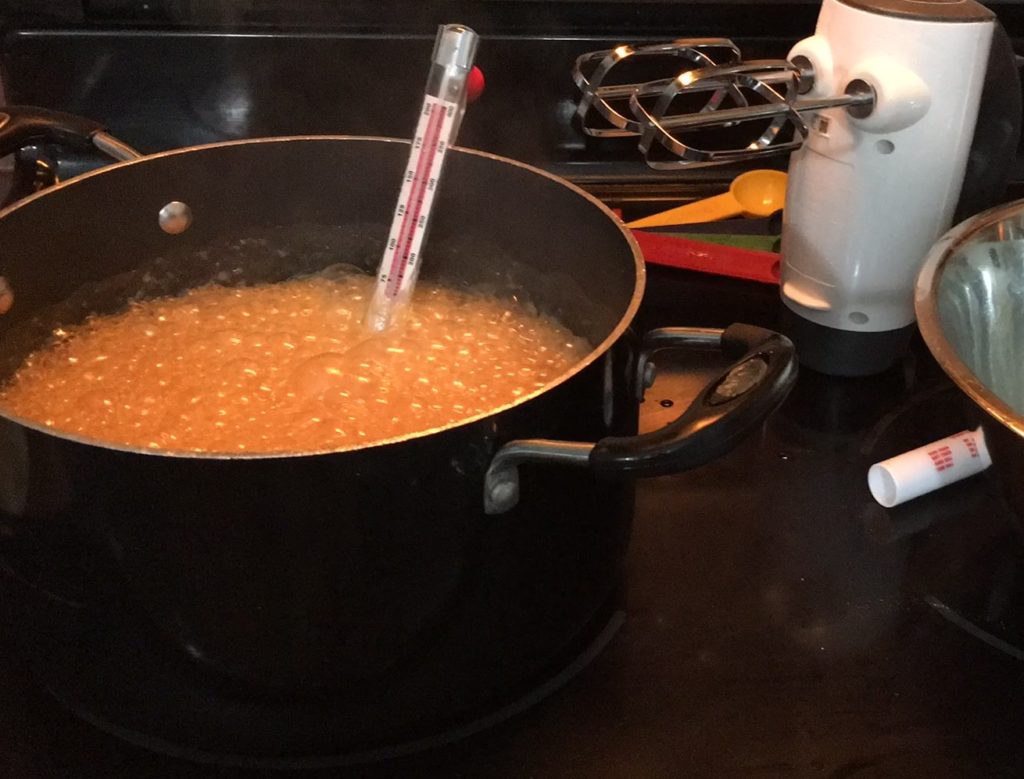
778,621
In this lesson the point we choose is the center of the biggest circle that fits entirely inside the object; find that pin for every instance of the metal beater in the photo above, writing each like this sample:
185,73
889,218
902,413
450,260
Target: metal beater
761,97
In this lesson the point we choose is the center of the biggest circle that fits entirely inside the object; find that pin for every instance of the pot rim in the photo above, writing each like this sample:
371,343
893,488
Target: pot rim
616,332
926,305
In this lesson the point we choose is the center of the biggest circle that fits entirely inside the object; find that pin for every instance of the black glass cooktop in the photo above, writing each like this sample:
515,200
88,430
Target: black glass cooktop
776,621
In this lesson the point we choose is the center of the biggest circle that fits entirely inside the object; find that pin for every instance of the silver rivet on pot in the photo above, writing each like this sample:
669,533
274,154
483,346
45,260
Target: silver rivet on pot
175,217
504,494
6,296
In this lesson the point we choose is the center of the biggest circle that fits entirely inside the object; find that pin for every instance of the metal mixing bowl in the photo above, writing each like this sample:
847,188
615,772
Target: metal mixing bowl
970,308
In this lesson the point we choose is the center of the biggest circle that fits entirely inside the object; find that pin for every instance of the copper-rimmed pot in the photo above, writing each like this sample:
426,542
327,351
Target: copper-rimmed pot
387,588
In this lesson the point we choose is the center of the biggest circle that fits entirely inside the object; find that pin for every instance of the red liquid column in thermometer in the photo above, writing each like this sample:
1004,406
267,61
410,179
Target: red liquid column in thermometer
446,91
417,194
399,266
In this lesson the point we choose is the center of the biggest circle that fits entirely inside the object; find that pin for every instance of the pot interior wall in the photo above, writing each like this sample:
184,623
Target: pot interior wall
270,210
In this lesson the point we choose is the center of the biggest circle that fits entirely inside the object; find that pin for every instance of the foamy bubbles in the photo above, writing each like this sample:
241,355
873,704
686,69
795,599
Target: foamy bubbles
287,367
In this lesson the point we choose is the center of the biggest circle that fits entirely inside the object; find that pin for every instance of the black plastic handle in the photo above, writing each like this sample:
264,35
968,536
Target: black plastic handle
22,126
724,412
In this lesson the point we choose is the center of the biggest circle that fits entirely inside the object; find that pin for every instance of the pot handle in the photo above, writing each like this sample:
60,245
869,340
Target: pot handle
22,126
726,410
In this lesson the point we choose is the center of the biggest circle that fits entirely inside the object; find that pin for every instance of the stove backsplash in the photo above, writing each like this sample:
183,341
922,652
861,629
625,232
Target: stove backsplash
168,73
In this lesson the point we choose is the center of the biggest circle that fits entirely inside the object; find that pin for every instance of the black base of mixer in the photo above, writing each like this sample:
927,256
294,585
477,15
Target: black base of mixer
844,352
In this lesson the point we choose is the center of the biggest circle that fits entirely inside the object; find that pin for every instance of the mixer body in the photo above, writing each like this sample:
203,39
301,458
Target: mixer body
870,190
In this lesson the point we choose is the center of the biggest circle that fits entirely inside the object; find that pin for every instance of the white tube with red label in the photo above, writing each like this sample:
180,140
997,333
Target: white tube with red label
927,468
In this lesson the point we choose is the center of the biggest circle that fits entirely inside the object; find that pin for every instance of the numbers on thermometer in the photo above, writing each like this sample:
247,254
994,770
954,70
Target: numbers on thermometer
418,188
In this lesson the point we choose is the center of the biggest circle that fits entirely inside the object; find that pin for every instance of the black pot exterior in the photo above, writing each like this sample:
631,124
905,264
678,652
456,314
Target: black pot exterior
370,579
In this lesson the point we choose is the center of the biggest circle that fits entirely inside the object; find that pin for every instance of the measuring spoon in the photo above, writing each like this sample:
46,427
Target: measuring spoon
757,193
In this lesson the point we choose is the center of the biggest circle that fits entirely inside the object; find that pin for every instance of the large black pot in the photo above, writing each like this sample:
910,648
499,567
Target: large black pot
393,588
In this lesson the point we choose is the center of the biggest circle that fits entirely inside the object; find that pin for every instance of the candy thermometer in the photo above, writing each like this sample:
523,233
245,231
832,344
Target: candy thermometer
443,106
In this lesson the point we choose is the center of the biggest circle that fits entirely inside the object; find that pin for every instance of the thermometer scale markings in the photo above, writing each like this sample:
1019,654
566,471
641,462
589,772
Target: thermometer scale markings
418,192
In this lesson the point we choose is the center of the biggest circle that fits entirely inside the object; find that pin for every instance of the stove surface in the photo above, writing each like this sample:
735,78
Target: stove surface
778,622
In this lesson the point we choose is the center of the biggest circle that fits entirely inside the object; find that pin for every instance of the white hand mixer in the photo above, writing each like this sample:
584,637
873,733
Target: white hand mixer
878,108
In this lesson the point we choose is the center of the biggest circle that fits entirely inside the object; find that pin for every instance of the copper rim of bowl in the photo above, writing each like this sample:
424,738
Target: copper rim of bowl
926,305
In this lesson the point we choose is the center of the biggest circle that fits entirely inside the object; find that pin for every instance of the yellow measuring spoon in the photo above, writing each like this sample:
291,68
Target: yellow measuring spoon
757,193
